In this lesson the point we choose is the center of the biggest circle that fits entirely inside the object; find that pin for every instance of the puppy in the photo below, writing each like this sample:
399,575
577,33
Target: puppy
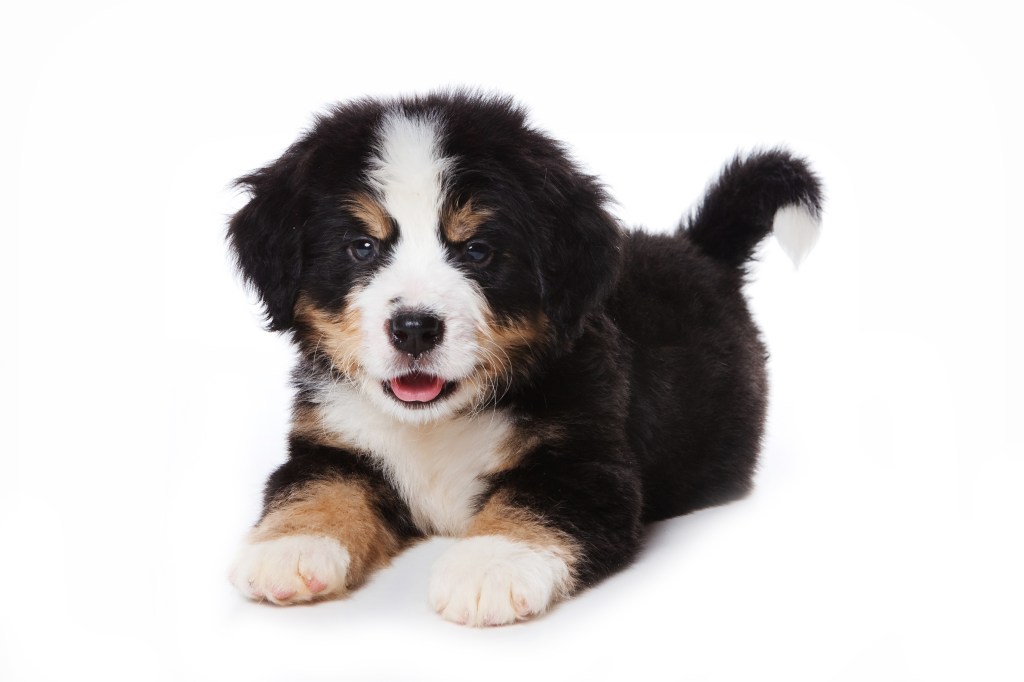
486,354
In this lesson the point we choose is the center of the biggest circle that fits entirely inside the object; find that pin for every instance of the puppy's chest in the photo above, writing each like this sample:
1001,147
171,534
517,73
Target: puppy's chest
438,469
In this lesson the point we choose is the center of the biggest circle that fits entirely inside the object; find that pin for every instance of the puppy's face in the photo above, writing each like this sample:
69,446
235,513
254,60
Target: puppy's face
431,252
395,293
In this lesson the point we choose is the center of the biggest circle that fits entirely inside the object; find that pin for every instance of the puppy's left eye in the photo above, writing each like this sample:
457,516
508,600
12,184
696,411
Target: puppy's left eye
477,253
362,249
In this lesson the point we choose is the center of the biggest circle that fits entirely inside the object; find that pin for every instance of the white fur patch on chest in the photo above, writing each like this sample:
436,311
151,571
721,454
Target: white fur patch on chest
437,468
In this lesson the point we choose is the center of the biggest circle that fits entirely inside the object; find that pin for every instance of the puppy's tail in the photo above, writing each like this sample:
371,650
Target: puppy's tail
766,191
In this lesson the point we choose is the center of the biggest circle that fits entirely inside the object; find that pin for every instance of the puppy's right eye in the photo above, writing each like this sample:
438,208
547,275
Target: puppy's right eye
362,249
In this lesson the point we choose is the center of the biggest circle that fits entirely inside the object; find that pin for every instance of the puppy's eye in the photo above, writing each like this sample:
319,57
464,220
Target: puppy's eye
477,253
362,249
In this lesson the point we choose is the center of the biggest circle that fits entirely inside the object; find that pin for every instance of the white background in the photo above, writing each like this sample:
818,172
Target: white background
144,405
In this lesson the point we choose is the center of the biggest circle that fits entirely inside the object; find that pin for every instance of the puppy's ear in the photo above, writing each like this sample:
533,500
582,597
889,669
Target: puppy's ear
584,257
266,234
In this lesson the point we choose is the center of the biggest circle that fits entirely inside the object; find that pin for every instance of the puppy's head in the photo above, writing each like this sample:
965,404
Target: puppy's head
430,251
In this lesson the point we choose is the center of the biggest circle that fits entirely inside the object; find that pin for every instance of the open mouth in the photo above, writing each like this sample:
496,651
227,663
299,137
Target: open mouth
418,389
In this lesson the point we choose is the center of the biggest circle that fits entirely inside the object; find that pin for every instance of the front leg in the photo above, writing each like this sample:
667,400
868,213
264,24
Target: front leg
555,525
328,521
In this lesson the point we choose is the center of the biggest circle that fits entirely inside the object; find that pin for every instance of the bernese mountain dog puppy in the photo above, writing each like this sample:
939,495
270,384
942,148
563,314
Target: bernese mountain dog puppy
486,354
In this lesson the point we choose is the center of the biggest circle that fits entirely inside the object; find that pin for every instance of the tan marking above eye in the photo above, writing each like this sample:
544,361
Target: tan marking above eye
372,215
461,223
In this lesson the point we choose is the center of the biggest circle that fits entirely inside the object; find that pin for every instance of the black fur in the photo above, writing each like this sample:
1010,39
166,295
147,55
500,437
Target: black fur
738,208
652,378
267,233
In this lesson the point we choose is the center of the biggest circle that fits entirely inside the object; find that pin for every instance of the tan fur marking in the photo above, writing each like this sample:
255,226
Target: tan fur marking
518,334
500,517
525,439
509,346
461,223
308,424
337,509
371,214
338,335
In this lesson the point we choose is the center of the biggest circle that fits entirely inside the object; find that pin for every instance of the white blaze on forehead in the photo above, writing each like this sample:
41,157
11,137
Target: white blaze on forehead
408,172
409,175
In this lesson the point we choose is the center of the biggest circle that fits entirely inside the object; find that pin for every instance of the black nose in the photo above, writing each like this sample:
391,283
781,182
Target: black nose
415,333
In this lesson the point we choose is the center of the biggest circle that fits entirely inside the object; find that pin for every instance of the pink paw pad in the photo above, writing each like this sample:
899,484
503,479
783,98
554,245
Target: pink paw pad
282,593
314,585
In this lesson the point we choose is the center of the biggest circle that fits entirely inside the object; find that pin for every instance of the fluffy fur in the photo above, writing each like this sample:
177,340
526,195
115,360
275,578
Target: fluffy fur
485,353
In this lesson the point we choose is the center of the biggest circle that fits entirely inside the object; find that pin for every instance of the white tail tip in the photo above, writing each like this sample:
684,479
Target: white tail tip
797,228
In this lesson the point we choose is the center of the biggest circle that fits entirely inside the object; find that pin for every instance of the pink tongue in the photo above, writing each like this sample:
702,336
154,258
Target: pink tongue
417,387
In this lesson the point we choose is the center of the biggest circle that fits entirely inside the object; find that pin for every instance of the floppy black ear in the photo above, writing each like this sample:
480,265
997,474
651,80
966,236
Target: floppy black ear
582,266
266,234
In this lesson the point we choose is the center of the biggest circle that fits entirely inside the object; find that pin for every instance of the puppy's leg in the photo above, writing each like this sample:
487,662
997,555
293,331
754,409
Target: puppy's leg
328,522
539,538
511,566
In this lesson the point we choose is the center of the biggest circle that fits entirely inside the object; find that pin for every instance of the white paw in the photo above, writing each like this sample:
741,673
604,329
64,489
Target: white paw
291,569
490,580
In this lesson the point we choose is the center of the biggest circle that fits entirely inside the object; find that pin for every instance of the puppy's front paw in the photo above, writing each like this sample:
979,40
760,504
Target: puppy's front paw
490,580
291,569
